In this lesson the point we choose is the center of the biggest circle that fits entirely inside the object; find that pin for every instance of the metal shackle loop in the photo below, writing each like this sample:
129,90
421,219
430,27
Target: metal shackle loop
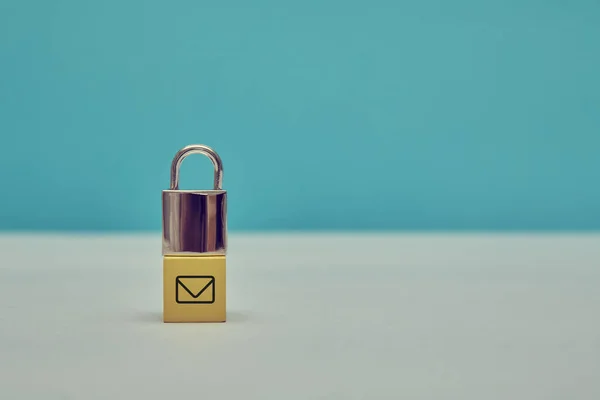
197,149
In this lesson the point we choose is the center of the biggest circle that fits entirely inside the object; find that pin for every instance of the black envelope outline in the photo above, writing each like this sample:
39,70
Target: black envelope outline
211,284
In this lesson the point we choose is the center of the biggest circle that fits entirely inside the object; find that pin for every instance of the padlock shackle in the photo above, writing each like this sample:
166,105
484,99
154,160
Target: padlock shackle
197,149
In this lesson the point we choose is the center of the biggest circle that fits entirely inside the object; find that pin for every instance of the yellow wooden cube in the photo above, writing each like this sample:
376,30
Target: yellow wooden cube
194,289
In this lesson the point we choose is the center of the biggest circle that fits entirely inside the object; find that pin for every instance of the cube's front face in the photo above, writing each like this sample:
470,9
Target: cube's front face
194,289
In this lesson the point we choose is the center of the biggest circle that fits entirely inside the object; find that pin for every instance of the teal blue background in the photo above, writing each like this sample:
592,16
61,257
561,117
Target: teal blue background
442,115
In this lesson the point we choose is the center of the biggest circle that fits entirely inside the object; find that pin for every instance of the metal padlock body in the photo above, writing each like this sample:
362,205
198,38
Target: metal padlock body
194,222
194,245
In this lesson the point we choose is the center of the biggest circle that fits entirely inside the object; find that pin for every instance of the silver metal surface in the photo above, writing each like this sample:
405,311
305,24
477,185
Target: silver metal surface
197,149
195,221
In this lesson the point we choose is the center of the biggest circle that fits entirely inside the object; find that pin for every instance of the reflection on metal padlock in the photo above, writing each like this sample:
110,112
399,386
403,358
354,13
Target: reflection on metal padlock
194,244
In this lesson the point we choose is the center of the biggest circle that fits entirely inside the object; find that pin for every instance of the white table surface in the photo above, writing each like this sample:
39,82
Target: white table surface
310,317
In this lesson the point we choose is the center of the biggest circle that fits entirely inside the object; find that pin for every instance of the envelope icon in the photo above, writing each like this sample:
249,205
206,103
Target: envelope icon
195,289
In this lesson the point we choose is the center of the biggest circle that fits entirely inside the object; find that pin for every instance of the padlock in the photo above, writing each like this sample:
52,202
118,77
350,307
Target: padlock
194,245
